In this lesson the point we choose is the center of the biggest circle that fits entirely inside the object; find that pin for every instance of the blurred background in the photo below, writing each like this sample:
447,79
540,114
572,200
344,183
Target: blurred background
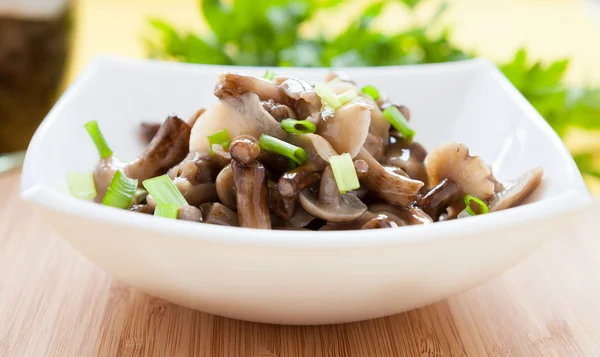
548,48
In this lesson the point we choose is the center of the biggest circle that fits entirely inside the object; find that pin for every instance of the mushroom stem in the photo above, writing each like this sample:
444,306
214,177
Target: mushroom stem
436,201
168,147
221,215
190,213
225,187
296,180
396,189
283,206
252,195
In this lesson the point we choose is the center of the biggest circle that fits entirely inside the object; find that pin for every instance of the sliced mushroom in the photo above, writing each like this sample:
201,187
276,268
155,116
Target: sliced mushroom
236,85
192,119
296,180
198,193
317,148
221,215
244,149
168,147
330,205
369,220
453,162
103,175
348,128
442,196
517,191
142,209
402,215
391,187
375,146
252,195
190,213
282,206
241,115
220,155
410,156
279,111
226,188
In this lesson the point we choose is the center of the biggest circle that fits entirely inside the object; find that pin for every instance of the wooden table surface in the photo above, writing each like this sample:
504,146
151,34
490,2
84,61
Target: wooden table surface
53,302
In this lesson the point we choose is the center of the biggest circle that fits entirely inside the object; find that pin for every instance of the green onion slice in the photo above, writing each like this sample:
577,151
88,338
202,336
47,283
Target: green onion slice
121,191
164,191
269,75
98,139
371,91
327,95
347,96
398,121
298,126
269,143
221,137
167,210
469,199
344,172
81,185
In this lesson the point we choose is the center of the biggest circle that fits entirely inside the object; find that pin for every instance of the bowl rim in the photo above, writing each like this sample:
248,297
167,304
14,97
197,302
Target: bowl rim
39,193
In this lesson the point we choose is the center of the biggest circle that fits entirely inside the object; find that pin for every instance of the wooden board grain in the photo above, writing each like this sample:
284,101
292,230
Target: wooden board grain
53,302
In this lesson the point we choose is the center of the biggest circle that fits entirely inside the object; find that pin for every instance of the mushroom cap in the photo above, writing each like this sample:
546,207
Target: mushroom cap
348,128
330,205
235,84
452,161
517,191
190,213
347,209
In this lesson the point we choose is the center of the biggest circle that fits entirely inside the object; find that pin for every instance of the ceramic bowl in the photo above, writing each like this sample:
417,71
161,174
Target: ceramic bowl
298,277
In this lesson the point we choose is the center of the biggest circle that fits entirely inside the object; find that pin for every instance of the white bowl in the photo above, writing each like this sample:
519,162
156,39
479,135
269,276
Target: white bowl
296,277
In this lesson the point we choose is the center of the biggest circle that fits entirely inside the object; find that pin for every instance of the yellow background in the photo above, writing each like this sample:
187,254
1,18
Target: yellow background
495,28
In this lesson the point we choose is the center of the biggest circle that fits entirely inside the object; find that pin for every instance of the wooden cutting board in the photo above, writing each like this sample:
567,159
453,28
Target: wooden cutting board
53,302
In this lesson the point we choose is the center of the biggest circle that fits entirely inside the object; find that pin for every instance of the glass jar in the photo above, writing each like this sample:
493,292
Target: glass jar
34,37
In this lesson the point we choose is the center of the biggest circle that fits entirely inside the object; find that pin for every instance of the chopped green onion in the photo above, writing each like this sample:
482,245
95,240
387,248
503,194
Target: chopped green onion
398,121
164,191
81,185
121,191
98,139
298,126
291,164
221,137
347,96
344,172
269,143
269,75
167,210
483,208
327,95
371,91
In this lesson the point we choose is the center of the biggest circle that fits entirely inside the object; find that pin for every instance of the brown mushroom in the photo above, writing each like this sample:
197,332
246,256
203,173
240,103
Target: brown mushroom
391,187
282,206
220,155
348,128
317,148
252,195
300,219
195,178
148,131
235,85
244,149
517,191
296,180
168,147
196,194
221,215
369,220
241,115
409,156
375,146
454,173
306,102
225,187
402,215
279,111
330,204
103,175
190,213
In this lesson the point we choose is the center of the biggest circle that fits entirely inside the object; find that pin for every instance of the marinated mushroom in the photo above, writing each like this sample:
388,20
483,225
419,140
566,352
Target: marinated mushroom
168,147
330,204
238,163
517,191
